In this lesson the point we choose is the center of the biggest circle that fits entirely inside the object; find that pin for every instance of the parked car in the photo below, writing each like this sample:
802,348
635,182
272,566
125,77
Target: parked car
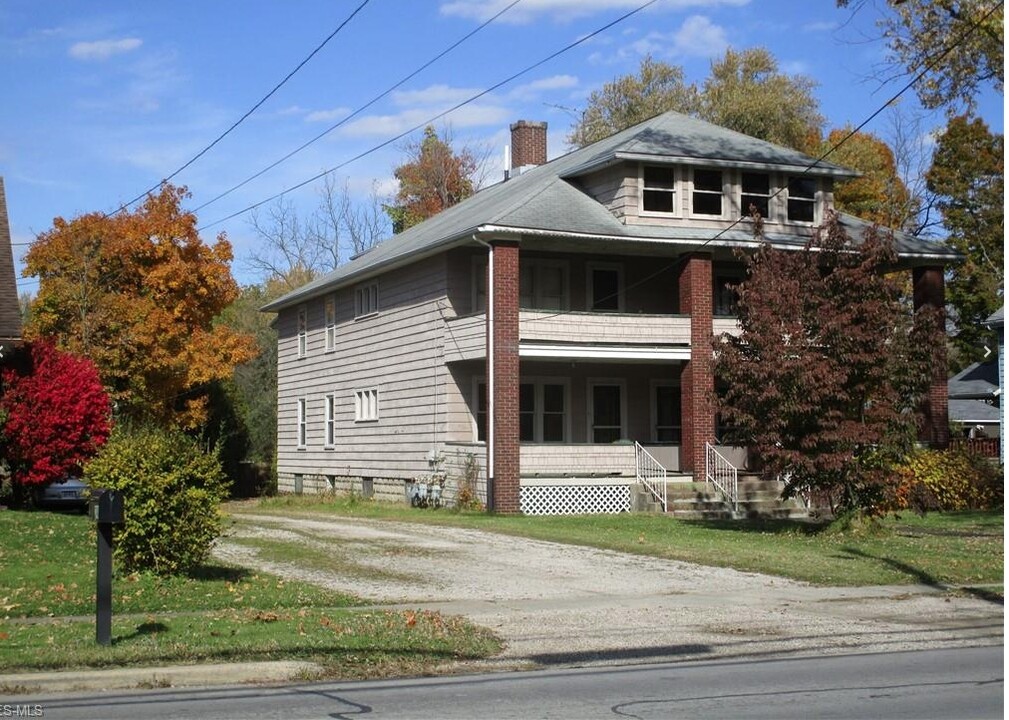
69,493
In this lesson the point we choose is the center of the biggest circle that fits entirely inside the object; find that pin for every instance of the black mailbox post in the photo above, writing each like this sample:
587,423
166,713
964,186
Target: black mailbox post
106,509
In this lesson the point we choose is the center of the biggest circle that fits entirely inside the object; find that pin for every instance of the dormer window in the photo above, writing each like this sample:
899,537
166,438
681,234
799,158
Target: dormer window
658,189
801,199
756,191
706,198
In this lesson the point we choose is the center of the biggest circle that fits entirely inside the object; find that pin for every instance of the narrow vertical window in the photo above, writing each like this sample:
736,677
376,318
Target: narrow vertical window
302,422
667,414
330,323
554,408
302,331
527,412
330,420
481,412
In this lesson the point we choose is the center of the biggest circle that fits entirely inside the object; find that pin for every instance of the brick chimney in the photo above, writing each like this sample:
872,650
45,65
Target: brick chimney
529,143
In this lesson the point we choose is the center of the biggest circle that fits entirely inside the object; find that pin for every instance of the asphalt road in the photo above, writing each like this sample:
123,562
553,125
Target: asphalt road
947,683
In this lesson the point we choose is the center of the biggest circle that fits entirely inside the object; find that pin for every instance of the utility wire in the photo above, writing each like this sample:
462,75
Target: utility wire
251,110
361,109
477,96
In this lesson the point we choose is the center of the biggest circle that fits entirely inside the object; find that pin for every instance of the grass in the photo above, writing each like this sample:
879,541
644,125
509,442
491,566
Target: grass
961,549
217,614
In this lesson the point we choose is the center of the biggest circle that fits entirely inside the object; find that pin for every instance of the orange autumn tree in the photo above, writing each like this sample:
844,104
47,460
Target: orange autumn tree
138,293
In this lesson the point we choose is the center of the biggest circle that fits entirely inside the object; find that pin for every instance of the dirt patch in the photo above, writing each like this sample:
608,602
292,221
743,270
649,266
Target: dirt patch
565,604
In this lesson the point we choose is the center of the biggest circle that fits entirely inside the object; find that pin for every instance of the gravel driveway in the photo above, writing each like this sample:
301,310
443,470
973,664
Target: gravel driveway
563,604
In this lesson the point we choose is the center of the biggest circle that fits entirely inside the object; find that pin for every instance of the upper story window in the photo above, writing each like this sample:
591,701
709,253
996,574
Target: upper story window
543,285
366,300
756,191
707,194
801,199
302,331
330,323
658,189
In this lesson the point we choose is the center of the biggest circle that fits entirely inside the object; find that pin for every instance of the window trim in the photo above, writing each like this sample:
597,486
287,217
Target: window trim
590,404
301,428
726,185
676,191
366,405
653,389
329,422
329,317
302,328
772,200
589,285
366,300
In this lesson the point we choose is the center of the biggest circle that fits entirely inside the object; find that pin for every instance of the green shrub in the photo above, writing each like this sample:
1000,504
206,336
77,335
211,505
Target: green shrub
172,491
947,480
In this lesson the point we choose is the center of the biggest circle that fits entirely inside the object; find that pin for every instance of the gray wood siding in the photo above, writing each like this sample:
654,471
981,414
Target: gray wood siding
398,351
613,188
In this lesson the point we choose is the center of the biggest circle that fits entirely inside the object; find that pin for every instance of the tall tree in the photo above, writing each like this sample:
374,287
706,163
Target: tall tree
433,178
296,248
827,374
960,44
656,88
967,178
56,415
879,195
138,293
745,91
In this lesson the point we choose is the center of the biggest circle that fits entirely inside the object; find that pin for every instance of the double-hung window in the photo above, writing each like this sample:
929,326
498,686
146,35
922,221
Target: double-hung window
302,331
302,423
366,405
330,430
330,323
658,189
606,411
366,300
706,198
543,411
756,192
666,413
605,287
801,199
543,285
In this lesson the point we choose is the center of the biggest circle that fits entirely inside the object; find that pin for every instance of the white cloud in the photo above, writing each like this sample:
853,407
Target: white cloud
699,37
325,115
534,88
794,67
103,49
391,125
442,96
562,10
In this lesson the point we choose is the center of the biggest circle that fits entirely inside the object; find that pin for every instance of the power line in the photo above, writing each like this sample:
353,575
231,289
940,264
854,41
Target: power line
361,109
249,112
477,96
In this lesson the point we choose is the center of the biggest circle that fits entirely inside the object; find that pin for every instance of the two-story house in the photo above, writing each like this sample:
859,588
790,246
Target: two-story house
557,326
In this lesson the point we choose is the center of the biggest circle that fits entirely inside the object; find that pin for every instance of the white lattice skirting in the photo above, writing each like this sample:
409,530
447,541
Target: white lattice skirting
574,499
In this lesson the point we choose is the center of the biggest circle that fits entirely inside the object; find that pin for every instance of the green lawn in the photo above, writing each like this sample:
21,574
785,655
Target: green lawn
220,613
963,549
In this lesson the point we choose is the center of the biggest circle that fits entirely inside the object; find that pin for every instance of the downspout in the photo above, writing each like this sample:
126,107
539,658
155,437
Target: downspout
490,371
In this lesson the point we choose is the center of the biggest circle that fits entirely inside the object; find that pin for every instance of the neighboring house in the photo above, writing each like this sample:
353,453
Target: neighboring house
997,322
549,323
974,400
10,309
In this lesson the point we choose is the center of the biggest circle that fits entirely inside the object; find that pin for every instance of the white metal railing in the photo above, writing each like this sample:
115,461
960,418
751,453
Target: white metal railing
650,473
721,473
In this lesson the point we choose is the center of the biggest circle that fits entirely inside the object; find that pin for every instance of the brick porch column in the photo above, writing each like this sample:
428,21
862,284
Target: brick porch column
930,290
697,380
503,376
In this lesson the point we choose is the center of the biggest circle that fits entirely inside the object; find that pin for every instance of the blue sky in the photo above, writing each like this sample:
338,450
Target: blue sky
102,100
